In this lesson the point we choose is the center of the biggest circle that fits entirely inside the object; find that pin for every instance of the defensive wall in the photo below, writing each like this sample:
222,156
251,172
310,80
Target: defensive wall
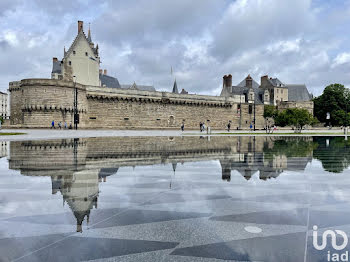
35,103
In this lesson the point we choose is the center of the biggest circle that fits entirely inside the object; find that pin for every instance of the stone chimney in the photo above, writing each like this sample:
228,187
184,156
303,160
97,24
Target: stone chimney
264,81
249,81
105,72
80,26
54,59
224,81
229,81
100,71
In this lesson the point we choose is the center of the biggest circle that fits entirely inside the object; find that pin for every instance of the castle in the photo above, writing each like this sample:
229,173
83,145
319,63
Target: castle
104,103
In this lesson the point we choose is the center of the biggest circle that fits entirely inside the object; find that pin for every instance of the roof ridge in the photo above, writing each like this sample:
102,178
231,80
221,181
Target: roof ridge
81,32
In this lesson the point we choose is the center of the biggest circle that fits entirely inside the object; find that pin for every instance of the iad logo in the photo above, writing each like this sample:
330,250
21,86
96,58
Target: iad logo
333,236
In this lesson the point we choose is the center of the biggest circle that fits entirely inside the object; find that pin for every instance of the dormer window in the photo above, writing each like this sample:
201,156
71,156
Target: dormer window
70,63
86,53
73,52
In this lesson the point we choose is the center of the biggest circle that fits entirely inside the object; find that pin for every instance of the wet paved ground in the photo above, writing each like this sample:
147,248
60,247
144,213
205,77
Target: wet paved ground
253,205
39,134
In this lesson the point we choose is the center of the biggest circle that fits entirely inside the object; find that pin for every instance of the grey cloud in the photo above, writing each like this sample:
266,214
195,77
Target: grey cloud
251,24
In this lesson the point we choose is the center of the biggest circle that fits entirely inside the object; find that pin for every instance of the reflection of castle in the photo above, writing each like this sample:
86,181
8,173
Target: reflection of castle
252,159
3,148
76,166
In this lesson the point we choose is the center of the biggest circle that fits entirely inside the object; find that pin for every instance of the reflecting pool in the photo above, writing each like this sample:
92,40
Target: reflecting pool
174,198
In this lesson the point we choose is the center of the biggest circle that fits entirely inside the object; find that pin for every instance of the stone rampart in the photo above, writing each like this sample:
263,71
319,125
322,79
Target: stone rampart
36,102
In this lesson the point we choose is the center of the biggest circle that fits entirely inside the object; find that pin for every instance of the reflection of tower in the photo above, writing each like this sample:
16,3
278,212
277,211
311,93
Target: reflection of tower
79,191
226,170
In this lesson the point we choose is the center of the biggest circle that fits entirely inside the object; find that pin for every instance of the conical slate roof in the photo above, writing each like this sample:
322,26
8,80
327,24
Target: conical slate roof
175,90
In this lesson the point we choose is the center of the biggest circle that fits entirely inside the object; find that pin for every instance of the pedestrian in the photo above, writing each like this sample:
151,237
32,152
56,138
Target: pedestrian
203,127
59,125
182,127
251,127
228,126
53,124
200,126
65,125
70,126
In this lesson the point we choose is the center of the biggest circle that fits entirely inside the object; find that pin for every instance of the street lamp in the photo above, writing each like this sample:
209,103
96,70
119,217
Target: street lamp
76,115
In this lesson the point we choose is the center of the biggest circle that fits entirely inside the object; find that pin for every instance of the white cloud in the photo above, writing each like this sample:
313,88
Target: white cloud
298,41
341,59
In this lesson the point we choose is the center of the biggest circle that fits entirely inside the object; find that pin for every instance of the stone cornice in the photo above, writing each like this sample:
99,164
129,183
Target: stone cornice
156,97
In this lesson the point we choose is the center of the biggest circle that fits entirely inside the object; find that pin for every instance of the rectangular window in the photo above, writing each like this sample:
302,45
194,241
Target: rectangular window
73,52
86,53
250,109
238,108
70,63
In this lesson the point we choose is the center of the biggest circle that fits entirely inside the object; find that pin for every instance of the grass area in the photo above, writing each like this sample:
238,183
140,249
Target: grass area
11,134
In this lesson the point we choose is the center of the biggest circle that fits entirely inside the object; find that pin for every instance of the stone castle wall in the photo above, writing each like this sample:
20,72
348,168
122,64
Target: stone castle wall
36,102
308,105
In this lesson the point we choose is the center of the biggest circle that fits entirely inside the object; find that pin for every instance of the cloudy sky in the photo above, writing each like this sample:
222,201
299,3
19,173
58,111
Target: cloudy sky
298,41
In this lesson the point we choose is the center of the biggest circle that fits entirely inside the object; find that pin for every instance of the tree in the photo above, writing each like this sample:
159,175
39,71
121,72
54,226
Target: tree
270,111
1,120
334,99
295,117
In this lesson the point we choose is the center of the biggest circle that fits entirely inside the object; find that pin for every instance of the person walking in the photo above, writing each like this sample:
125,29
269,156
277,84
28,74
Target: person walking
65,125
59,125
53,124
182,127
251,126
200,126
228,126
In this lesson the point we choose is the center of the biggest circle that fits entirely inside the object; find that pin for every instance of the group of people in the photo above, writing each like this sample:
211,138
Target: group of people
59,125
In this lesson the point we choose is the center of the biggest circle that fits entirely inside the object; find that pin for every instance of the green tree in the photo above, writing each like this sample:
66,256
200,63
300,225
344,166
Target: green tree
295,117
270,111
335,100
1,120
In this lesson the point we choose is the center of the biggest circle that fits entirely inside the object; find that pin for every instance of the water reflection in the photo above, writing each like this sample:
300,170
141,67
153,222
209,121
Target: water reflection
77,166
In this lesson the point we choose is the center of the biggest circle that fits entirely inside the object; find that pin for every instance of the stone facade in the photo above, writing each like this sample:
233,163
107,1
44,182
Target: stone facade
36,102
308,105
4,107
271,91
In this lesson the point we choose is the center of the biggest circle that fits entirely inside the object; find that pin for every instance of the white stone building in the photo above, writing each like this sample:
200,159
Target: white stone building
82,60
4,107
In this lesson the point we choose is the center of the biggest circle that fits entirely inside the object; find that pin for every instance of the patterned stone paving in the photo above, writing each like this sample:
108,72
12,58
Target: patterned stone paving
153,213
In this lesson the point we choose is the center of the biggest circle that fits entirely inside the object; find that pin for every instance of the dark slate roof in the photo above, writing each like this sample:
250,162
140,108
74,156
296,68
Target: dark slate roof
109,81
242,89
298,93
139,87
175,90
239,90
276,82
255,84
104,172
56,67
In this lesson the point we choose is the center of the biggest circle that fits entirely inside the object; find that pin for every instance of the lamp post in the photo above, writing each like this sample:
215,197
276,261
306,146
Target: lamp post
76,115
254,112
